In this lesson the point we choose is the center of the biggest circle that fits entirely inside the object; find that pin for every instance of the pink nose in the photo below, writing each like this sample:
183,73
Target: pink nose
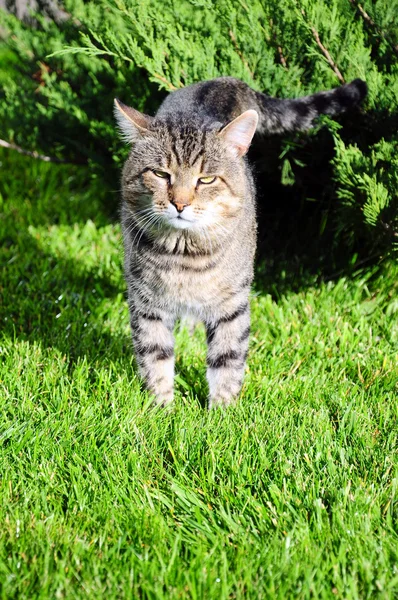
180,205
182,197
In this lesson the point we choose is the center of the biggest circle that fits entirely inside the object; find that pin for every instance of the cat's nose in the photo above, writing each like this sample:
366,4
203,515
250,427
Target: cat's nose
181,202
182,197
179,205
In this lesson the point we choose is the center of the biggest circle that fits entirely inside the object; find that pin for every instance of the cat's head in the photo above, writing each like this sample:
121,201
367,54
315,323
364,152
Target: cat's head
183,174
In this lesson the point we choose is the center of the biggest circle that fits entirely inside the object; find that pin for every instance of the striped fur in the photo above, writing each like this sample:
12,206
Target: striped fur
189,241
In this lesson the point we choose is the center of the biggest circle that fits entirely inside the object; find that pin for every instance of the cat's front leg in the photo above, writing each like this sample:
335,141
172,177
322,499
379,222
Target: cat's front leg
228,341
153,340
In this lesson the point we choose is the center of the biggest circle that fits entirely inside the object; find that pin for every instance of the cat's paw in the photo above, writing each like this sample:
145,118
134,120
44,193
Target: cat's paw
164,400
221,402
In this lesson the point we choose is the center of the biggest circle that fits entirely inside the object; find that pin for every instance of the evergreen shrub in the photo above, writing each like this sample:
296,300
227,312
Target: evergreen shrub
60,72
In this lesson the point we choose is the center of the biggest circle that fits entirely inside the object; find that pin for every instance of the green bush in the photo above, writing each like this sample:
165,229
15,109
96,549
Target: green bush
58,78
62,105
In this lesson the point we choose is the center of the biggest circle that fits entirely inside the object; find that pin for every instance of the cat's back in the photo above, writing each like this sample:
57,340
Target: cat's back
218,100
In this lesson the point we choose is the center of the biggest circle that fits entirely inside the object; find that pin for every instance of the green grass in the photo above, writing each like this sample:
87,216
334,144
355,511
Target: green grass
292,494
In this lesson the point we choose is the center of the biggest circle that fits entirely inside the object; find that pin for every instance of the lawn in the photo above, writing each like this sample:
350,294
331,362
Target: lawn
292,494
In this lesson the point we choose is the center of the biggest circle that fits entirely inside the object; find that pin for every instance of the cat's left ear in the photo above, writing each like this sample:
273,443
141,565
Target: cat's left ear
238,134
132,123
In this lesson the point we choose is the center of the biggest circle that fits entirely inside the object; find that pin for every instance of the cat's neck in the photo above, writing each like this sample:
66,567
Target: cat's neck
195,242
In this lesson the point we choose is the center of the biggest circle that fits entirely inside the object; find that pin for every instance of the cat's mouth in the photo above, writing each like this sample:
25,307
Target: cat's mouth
185,219
181,222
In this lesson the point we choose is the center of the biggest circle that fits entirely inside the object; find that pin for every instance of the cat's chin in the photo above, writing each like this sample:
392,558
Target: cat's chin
181,223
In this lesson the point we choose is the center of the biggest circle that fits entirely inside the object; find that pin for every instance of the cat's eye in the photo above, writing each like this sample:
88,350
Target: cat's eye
207,179
161,174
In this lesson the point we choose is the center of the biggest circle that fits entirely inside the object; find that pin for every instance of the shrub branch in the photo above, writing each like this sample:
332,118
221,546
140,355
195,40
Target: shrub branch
366,17
35,154
325,51
166,81
238,51
282,58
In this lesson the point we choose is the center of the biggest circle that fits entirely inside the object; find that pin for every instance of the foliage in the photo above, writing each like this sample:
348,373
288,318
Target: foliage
59,77
62,106
293,494
369,183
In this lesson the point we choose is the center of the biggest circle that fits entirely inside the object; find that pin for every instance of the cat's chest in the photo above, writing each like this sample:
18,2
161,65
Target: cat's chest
189,286
192,284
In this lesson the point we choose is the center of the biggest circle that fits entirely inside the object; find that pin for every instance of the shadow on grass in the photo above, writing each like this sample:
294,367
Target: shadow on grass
300,239
46,297
49,300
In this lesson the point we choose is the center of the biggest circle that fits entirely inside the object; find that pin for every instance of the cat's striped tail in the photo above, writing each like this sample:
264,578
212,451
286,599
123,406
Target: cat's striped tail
298,114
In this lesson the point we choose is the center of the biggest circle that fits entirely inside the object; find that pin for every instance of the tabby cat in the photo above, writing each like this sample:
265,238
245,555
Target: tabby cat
189,220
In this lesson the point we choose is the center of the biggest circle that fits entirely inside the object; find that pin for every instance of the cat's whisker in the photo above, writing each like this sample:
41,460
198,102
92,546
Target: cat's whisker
154,221
135,224
143,226
145,210
134,227
144,213
142,221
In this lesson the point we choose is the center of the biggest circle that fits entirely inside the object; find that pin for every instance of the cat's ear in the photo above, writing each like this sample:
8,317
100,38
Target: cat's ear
238,134
132,123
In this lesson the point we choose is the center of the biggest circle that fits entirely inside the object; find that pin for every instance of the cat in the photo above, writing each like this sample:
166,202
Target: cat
189,220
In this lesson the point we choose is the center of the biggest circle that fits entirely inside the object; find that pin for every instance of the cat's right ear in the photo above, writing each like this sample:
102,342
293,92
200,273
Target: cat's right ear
132,123
238,133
